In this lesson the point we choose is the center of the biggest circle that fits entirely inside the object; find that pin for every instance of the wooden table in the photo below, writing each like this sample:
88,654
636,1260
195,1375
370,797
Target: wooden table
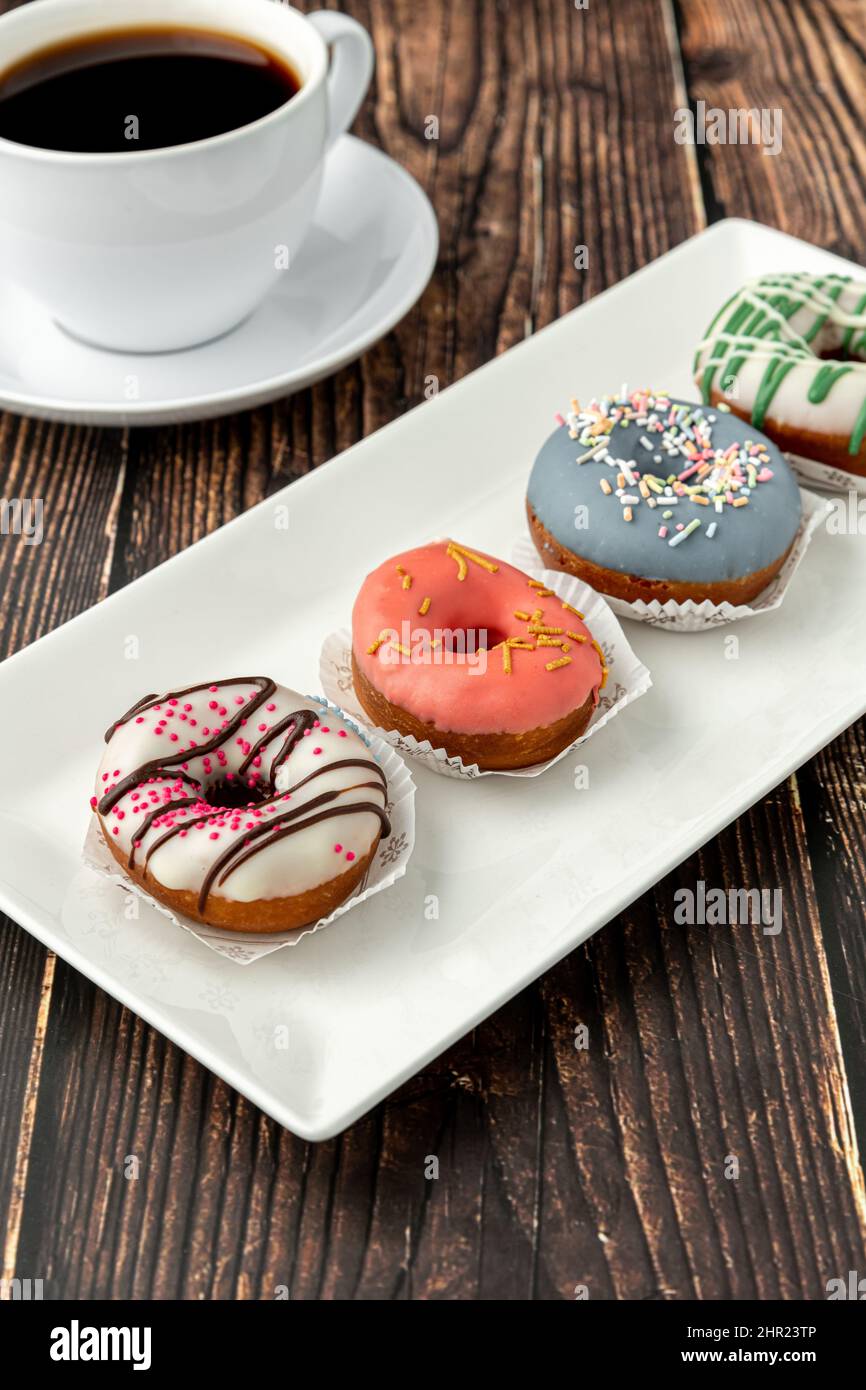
558,1167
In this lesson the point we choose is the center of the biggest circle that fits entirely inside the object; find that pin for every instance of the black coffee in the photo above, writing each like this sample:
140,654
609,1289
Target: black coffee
140,89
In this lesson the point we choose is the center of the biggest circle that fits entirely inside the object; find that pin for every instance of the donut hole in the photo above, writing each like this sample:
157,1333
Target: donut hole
472,638
234,795
838,354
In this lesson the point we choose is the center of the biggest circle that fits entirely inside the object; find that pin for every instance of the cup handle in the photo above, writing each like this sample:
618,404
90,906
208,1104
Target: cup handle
352,57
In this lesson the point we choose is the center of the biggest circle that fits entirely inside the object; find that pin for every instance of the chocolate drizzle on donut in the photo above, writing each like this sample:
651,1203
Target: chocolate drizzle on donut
195,811
157,765
268,826
297,724
155,815
270,831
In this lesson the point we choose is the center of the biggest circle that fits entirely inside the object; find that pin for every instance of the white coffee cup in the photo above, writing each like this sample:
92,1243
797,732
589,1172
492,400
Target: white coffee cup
154,250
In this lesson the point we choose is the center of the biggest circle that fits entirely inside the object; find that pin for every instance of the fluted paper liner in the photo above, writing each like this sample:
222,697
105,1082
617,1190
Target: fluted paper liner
826,475
389,863
698,617
627,680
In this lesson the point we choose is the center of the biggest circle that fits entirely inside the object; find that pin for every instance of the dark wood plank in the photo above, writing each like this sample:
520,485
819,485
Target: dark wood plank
806,60
558,1168
76,477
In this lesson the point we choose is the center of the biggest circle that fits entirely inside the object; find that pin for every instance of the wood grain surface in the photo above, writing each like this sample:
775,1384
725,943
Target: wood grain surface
606,1168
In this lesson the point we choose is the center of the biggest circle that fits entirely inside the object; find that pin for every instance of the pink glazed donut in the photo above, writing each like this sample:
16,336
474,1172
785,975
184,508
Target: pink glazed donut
451,645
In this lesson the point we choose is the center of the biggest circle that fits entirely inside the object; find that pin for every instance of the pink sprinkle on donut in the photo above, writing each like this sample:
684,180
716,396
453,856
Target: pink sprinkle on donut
214,835
271,706
338,849
326,731
140,719
213,688
342,733
317,750
262,728
350,856
93,801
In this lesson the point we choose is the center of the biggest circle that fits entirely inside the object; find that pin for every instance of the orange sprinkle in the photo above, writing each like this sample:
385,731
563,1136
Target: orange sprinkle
626,516
508,646
461,555
407,581
620,480
575,636
741,502
550,631
555,665
524,617
600,655
576,611
551,642
605,486
702,501
425,604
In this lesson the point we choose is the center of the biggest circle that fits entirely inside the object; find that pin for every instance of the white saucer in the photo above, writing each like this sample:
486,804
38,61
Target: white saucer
368,256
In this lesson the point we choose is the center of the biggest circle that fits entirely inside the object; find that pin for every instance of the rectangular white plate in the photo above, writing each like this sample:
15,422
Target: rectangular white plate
519,871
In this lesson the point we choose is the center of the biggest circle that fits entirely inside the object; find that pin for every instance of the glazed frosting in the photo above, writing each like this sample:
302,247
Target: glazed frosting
307,798
663,489
764,347
531,659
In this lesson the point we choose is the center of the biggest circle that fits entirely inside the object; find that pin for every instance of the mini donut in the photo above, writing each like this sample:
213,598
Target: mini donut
240,804
788,353
646,497
451,645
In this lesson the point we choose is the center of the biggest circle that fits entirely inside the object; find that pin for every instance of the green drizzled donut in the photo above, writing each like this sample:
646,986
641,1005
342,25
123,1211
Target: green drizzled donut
782,322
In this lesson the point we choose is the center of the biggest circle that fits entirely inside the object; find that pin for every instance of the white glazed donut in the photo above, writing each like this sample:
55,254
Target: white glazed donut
241,804
788,353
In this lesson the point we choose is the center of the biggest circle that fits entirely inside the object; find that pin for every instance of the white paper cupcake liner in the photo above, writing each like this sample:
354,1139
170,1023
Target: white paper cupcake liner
698,617
389,864
627,680
825,475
